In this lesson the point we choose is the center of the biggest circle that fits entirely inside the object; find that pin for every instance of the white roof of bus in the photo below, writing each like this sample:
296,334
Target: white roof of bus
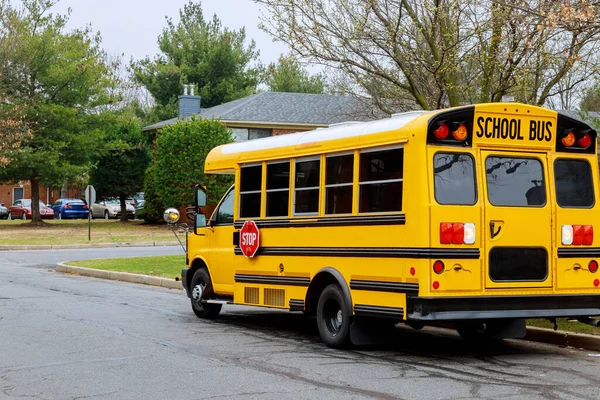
339,131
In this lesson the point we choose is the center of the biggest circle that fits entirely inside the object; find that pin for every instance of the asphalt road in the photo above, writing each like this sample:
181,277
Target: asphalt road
70,337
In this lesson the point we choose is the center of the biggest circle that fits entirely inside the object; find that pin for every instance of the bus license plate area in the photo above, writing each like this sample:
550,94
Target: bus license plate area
518,264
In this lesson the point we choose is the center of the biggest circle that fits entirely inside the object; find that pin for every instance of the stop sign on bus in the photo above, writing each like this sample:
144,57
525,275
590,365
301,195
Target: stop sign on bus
249,238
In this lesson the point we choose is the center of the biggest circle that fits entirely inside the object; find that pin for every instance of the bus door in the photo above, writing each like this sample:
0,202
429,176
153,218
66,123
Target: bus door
517,227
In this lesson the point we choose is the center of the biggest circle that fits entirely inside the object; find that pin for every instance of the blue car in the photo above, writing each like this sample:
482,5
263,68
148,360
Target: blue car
70,208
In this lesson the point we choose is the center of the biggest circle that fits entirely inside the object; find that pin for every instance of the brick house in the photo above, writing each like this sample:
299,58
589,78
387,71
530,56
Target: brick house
10,192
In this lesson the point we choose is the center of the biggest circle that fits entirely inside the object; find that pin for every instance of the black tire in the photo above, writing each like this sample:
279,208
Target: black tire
9,216
24,216
208,311
60,215
333,318
105,214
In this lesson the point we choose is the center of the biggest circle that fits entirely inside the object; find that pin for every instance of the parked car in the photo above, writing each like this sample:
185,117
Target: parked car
3,211
70,208
111,208
21,209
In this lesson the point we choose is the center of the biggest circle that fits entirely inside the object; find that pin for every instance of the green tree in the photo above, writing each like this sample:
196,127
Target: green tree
591,99
58,79
119,171
215,59
289,76
181,150
430,54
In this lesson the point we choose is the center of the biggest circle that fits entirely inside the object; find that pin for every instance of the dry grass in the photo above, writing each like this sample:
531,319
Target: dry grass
76,232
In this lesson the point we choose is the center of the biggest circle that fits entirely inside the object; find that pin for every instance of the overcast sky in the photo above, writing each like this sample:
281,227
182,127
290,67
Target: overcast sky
131,27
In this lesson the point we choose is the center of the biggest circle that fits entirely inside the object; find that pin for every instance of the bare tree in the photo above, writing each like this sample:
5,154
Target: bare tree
437,53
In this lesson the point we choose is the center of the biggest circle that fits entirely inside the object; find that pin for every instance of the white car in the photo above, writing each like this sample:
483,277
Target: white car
111,209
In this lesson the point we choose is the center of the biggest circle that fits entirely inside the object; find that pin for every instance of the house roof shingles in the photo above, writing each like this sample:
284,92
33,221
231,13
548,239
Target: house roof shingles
287,108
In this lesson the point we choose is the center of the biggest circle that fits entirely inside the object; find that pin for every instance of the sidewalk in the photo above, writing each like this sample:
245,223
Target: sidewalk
85,246
534,334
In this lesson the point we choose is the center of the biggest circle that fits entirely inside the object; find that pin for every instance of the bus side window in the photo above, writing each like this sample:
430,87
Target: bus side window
381,176
250,191
307,186
338,184
225,211
278,189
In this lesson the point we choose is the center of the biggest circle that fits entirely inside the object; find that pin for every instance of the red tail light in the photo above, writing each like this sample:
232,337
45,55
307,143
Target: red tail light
442,131
85,207
593,266
68,207
584,141
446,233
588,235
458,233
583,235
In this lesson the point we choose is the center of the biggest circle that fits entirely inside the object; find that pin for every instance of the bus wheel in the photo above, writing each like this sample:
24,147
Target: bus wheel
202,289
333,319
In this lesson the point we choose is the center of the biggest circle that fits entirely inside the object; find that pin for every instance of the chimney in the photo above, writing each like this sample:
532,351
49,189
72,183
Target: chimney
188,104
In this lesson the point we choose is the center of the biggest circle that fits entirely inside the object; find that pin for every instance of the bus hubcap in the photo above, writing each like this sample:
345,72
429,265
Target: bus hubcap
197,293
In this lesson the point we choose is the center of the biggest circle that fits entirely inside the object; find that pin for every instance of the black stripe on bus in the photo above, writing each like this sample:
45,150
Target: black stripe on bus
391,287
272,280
575,252
296,305
363,310
374,252
399,219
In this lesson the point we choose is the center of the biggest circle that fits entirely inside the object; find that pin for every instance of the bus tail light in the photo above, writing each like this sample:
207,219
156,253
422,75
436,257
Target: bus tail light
457,233
577,235
593,266
568,138
584,139
461,132
442,131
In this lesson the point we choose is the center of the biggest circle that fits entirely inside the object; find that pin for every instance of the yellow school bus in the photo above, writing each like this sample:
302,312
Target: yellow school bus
475,217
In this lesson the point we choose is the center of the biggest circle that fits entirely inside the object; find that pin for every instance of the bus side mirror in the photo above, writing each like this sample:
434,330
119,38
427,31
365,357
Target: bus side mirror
199,222
200,198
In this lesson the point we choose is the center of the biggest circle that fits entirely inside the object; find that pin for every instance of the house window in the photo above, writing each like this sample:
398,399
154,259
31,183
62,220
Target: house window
339,171
242,134
258,133
250,191
307,186
381,181
278,189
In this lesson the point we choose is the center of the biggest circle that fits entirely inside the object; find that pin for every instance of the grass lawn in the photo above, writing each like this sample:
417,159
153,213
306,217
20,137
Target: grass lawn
163,266
564,325
76,232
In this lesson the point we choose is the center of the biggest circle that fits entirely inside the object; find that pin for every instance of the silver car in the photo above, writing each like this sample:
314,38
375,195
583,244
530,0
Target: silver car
111,209
3,211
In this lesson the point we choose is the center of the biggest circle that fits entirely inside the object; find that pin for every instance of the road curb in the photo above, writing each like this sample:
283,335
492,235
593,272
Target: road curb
119,276
534,334
7,247
563,338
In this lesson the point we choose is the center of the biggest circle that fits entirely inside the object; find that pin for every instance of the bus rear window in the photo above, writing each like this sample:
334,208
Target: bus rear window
574,187
454,178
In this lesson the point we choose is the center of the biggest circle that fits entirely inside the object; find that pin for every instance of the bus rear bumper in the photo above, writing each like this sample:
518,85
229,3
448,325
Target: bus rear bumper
502,307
